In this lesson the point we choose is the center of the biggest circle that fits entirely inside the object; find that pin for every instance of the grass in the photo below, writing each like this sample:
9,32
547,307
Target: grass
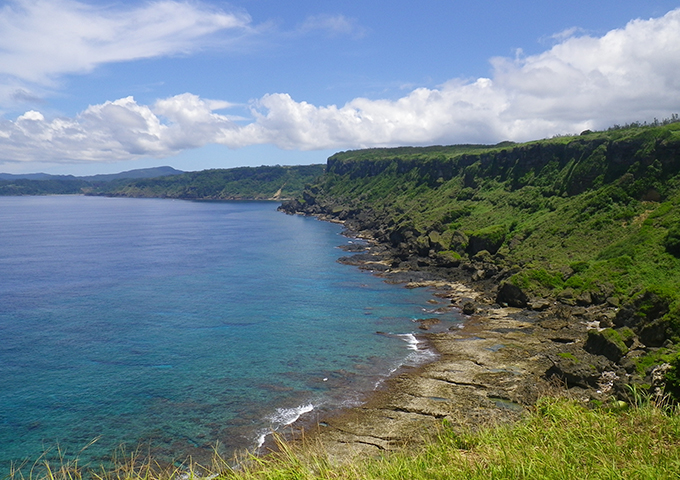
558,439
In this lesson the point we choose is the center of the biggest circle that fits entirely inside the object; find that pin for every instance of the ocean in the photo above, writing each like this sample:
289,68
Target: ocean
180,327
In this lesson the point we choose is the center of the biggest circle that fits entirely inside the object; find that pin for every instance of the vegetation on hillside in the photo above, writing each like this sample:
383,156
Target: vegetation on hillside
587,221
22,186
244,183
252,183
591,216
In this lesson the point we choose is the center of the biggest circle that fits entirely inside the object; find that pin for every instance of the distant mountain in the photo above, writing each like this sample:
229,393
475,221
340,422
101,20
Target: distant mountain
35,176
139,173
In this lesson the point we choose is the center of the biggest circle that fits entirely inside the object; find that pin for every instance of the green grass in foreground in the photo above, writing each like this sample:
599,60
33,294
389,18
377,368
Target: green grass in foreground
559,439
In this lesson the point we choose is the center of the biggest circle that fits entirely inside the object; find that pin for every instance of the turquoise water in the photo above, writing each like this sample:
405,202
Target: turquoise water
178,325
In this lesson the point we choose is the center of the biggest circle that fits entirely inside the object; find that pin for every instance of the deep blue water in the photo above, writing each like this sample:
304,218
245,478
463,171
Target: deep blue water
181,324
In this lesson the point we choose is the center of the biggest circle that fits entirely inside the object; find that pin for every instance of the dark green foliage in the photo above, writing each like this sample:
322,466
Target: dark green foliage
42,187
580,266
538,280
672,240
255,183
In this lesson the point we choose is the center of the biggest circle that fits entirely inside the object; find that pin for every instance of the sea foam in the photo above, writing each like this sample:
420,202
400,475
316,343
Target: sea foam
281,418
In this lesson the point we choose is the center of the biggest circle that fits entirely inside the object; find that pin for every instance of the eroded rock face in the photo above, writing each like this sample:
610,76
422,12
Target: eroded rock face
426,323
644,309
659,379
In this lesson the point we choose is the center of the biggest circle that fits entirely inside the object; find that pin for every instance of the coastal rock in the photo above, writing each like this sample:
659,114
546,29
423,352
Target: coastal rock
608,342
511,295
554,323
540,304
489,239
584,300
629,362
567,297
659,379
485,372
613,301
607,320
426,323
478,275
446,259
654,334
469,308
646,308
459,242
577,368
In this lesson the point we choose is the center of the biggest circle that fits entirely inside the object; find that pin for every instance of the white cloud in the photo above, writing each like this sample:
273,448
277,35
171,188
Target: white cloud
583,82
114,131
565,34
333,25
41,40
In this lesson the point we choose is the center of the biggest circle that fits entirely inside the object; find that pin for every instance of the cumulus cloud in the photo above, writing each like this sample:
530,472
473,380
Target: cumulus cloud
582,82
114,131
43,39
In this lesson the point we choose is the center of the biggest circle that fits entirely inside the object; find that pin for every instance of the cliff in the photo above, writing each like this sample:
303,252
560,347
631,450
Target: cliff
586,225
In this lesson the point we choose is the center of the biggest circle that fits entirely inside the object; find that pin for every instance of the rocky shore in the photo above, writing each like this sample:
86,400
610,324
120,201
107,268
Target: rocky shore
511,350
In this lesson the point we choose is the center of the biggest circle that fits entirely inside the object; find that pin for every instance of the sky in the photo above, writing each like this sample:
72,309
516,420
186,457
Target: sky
103,86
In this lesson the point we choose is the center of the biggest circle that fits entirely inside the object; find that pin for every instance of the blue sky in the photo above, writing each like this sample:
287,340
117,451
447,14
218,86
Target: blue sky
105,86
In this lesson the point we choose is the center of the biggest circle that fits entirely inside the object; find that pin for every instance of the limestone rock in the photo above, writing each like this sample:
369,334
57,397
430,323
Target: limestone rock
469,308
654,334
578,369
584,299
567,297
540,304
659,379
608,342
512,295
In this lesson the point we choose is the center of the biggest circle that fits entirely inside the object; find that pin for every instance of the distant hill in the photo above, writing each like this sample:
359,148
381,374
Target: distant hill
243,183
139,173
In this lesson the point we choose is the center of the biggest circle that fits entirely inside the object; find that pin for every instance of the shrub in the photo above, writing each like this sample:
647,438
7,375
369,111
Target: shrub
489,238
579,267
672,241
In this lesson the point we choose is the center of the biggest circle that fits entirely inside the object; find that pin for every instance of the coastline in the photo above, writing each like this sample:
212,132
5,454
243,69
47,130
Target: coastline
489,371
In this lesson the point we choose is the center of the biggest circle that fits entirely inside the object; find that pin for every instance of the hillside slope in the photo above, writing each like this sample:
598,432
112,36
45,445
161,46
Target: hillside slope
588,221
244,183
